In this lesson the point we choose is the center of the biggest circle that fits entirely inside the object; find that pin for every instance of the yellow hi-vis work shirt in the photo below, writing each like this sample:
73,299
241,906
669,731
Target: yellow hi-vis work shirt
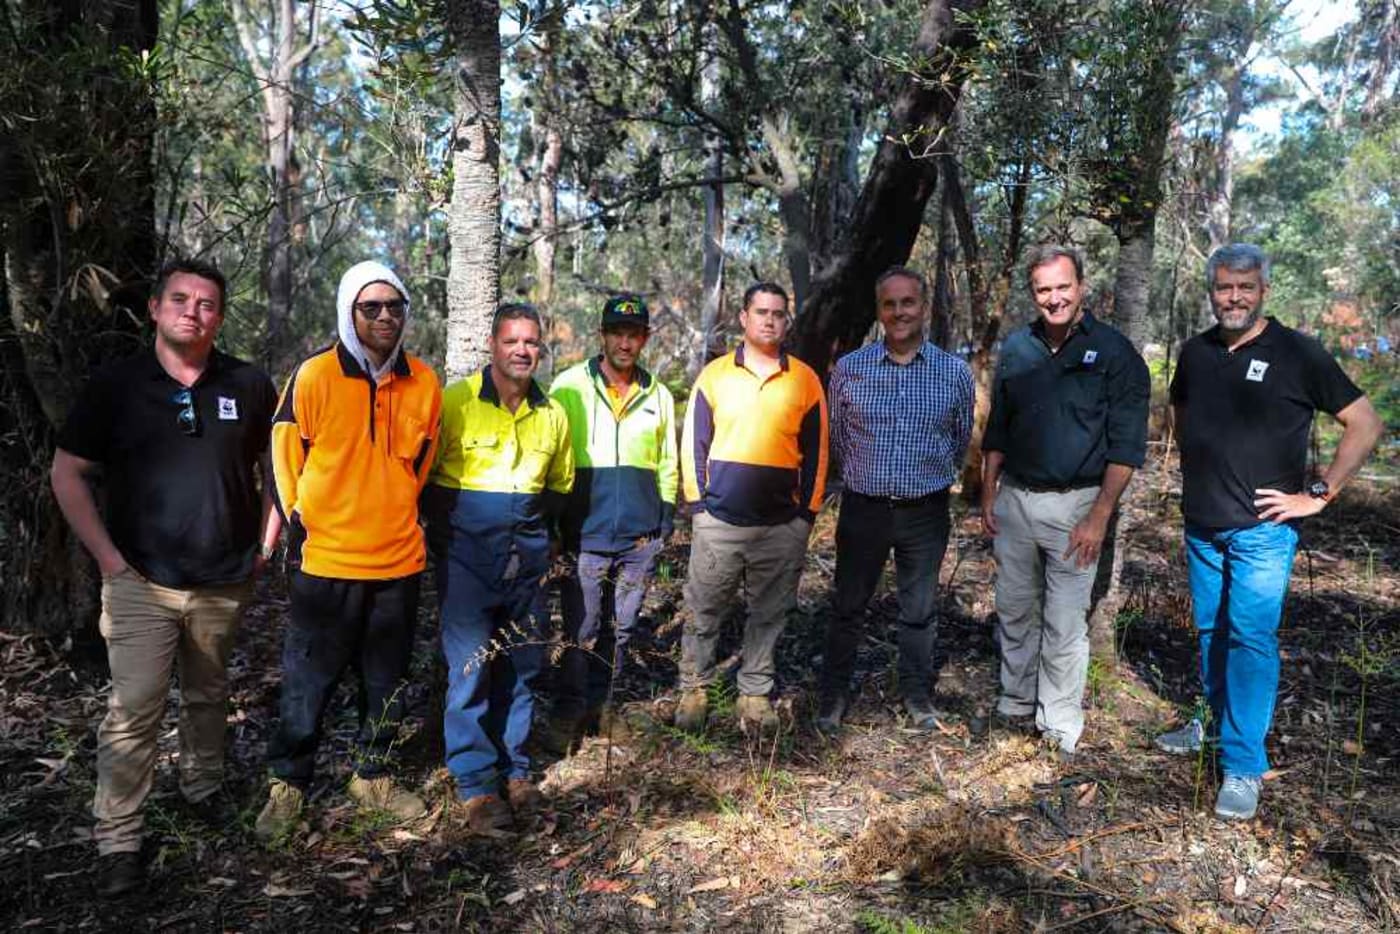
485,447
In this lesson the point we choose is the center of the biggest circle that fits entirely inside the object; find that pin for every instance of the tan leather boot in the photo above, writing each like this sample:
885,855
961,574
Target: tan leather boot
381,794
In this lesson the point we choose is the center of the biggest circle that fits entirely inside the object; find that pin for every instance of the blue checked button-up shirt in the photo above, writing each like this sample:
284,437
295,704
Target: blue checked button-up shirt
901,430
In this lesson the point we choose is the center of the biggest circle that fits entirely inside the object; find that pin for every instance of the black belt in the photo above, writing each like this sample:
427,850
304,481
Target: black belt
893,502
1036,488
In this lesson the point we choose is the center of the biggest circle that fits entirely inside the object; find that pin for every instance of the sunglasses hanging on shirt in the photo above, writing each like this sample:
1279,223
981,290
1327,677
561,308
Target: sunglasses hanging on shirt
187,418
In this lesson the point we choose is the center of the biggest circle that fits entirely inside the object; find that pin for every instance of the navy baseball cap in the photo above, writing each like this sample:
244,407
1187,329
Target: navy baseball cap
626,309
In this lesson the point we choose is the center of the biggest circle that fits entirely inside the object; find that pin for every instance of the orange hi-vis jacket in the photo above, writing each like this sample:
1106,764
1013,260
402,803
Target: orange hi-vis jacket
349,458
753,451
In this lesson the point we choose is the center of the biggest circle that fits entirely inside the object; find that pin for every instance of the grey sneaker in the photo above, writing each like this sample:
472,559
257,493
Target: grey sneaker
1186,741
1238,798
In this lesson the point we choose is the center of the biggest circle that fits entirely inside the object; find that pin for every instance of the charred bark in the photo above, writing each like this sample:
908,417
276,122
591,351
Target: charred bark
889,212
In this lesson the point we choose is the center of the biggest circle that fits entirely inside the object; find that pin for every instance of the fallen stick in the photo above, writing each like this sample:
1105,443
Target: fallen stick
1080,841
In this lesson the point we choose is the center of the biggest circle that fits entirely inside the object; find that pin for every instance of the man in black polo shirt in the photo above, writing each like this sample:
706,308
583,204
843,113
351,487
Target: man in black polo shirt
1243,396
175,431
1067,429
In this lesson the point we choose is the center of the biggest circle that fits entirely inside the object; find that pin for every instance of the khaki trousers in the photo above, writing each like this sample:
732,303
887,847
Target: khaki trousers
150,629
1042,609
766,561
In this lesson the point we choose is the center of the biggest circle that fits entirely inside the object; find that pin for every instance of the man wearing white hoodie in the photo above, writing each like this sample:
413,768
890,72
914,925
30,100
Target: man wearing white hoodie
352,443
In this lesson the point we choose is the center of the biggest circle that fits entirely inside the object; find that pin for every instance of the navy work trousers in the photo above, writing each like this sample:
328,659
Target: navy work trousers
335,624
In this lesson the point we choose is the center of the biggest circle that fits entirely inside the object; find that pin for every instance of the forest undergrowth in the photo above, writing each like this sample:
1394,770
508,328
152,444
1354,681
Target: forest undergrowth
884,829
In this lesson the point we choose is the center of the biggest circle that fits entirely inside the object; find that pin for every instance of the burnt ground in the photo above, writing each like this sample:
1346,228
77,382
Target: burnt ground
884,830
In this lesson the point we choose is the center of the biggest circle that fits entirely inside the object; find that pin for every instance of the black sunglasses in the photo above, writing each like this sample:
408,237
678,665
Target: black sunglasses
371,309
187,418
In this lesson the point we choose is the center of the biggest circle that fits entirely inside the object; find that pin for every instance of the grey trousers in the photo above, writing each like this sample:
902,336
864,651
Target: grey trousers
1042,608
766,561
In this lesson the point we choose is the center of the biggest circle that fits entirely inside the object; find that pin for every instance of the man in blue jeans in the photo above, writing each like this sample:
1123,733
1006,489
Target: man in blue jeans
503,469
1243,396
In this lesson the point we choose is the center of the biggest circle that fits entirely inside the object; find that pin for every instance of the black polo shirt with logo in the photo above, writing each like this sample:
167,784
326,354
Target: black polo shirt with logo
1245,418
183,505
1060,418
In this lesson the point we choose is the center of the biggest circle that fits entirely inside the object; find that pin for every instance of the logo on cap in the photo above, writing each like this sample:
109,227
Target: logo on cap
625,309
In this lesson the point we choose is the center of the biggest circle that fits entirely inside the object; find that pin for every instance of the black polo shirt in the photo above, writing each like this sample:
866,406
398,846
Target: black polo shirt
183,509
1245,418
1060,418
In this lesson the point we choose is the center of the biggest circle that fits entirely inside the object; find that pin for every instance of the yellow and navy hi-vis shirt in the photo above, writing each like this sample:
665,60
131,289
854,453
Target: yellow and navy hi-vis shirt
496,466
754,450
349,458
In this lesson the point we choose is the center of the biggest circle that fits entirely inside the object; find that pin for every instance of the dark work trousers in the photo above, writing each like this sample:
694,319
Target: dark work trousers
600,582
867,529
364,624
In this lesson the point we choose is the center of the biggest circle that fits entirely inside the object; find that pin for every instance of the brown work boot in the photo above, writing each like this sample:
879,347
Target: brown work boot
691,711
487,815
756,713
524,797
283,809
381,794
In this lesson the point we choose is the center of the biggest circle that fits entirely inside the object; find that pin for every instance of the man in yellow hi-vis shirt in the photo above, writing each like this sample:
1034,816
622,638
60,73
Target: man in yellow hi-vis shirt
503,469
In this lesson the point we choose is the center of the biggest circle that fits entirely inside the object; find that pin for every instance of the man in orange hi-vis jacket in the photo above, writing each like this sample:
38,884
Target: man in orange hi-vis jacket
352,443
753,464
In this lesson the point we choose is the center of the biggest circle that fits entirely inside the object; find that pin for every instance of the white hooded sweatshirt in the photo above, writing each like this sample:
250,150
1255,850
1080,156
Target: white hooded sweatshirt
355,279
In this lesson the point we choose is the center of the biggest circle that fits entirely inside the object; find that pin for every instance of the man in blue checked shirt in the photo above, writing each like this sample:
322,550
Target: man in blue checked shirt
901,416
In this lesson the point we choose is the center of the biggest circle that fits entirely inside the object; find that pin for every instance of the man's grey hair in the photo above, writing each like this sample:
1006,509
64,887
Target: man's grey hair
902,272
1238,257
1046,253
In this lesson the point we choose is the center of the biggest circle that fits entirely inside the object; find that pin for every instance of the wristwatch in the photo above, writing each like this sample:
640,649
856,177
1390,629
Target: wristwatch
1319,489
267,551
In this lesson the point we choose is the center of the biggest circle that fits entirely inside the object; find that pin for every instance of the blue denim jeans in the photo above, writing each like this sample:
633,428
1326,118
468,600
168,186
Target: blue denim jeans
600,585
1239,579
494,649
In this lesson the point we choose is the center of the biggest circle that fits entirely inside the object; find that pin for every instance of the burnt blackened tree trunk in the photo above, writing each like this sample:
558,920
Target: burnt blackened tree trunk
77,212
903,176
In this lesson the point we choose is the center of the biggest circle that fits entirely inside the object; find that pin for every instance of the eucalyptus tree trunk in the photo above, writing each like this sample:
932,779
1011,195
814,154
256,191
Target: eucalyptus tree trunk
988,303
712,236
786,183
945,267
903,175
1134,204
276,72
474,215
549,155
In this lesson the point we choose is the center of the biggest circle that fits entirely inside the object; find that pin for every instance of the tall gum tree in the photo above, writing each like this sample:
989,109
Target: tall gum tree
276,61
474,215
